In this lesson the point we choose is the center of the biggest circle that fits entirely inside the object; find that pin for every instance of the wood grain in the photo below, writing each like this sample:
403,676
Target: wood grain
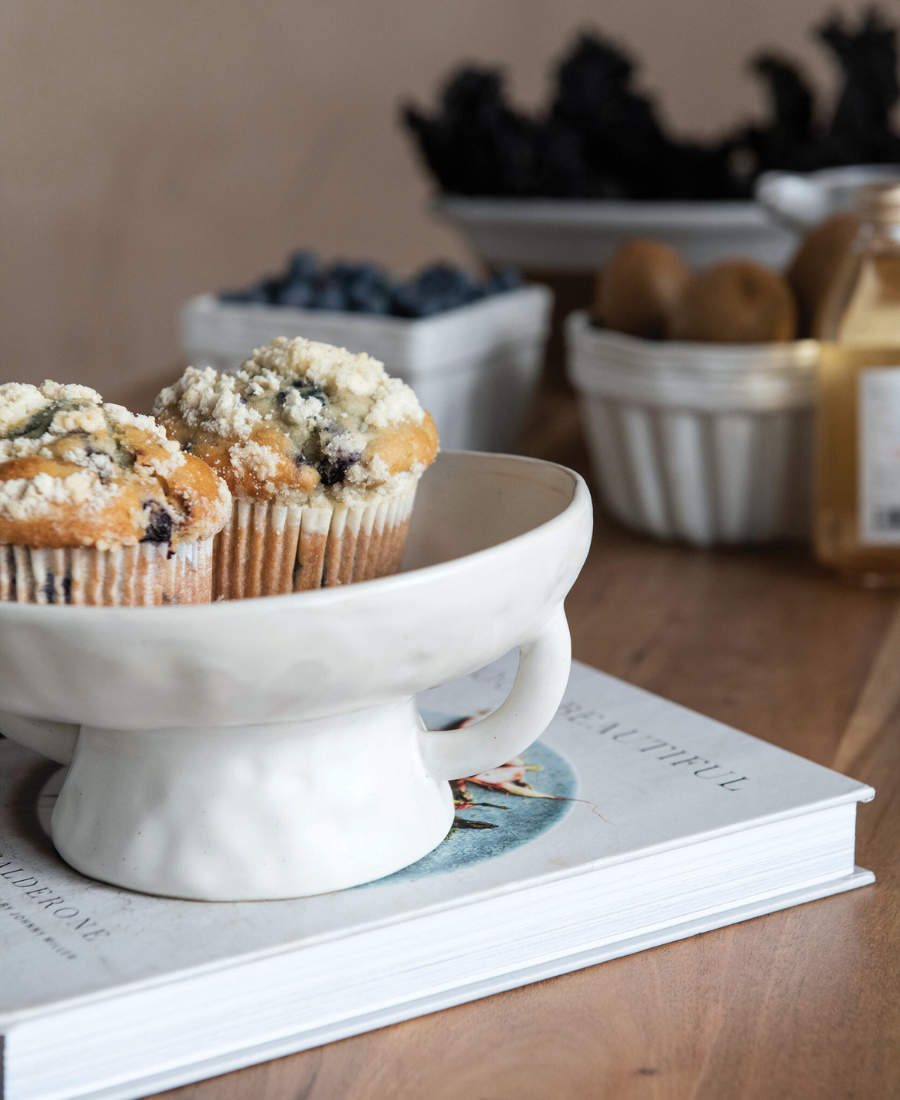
799,1005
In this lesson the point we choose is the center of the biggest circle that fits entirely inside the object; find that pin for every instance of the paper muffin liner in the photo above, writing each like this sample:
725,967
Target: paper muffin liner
131,576
270,549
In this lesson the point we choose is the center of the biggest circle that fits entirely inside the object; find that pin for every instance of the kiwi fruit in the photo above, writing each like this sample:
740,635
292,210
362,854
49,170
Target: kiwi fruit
816,263
639,287
736,302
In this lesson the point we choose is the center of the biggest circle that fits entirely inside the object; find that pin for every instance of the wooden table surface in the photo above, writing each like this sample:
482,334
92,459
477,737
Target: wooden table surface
799,1004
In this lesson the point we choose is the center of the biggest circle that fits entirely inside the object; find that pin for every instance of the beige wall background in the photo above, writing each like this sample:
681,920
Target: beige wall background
154,149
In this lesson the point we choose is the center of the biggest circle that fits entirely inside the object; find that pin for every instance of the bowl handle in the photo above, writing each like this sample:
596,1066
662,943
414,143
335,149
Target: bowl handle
55,740
541,681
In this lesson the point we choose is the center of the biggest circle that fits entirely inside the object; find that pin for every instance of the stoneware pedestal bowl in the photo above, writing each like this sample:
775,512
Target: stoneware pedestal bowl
271,748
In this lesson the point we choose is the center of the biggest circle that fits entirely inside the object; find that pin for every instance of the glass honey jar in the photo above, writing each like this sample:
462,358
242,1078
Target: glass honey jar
857,459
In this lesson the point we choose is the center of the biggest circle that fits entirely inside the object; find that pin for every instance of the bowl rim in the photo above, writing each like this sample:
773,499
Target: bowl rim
714,215
359,590
579,321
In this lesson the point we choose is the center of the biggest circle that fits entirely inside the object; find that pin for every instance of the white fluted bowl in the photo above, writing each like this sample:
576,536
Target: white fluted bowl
707,443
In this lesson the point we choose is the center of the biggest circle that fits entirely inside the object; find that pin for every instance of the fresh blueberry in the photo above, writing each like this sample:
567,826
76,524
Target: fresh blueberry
442,287
448,278
368,290
503,279
369,300
406,301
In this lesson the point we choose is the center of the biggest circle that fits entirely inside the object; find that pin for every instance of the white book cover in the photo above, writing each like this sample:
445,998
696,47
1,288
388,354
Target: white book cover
676,822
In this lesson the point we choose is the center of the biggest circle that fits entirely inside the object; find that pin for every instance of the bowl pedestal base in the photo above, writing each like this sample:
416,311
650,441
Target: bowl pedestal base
252,812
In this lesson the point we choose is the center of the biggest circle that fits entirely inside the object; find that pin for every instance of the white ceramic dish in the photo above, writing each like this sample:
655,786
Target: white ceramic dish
709,443
580,235
802,200
271,748
473,368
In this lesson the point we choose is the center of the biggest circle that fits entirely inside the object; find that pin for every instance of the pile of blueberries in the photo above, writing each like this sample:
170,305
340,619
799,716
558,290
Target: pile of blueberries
307,283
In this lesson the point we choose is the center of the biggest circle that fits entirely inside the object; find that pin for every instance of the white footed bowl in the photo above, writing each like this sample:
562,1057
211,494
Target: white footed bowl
240,750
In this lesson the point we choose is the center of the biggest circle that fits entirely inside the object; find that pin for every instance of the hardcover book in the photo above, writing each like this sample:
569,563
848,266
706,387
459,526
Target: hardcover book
632,822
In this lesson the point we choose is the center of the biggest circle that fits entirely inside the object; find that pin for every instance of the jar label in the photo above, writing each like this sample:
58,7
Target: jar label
879,456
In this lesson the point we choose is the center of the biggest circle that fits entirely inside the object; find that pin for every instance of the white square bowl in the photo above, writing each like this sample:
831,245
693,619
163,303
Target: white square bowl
473,368
707,443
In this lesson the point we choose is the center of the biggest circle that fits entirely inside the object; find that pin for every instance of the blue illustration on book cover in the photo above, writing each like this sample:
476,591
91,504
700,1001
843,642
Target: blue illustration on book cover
498,810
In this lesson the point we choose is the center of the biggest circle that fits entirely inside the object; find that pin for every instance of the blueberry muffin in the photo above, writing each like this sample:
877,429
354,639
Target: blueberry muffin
322,451
97,506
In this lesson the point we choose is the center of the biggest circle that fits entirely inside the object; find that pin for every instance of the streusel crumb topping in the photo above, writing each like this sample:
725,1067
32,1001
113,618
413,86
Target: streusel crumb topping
300,418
